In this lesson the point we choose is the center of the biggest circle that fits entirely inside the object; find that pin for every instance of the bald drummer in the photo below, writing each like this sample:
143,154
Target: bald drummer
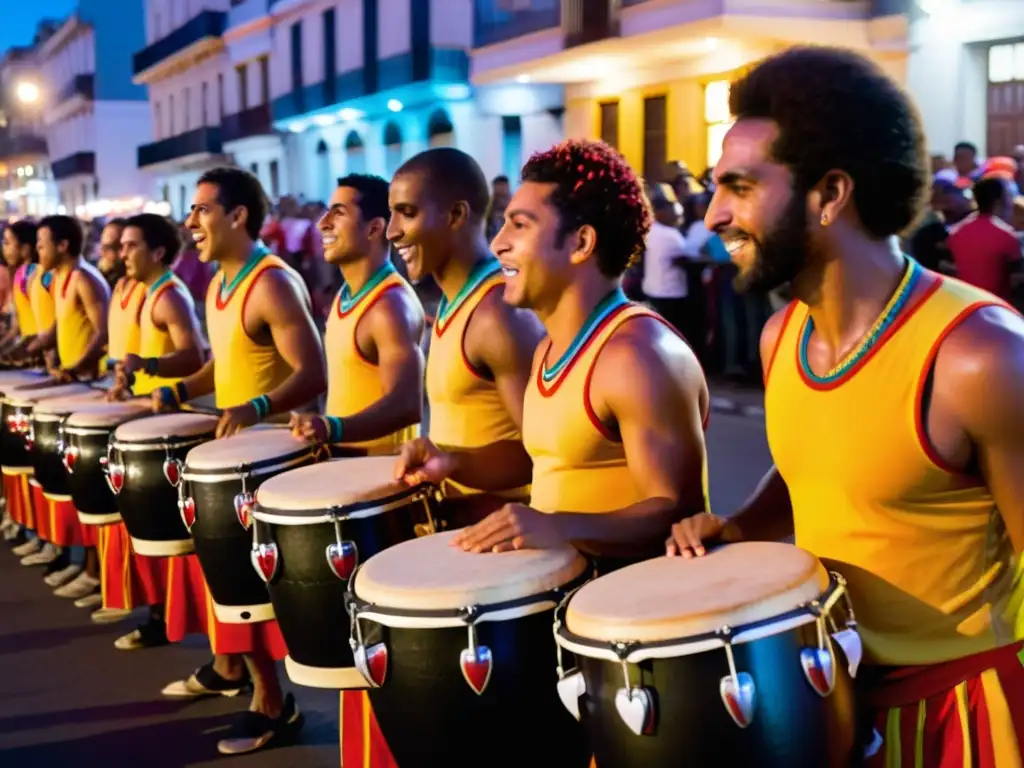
267,360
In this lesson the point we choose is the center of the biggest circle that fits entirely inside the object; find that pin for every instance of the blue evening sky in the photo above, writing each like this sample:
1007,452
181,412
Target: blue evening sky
21,16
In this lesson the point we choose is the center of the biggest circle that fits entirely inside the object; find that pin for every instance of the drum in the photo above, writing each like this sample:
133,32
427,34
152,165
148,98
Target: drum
45,443
144,465
220,479
85,434
16,412
320,522
458,652
10,380
726,659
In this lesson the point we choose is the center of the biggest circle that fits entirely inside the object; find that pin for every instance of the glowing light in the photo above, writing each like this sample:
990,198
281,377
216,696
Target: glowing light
324,120
522,78
346,114
297,127
27,92
395,105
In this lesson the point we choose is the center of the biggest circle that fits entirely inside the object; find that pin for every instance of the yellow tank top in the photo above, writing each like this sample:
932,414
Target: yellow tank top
40,296
123,319
353,382
466,410
155,341
73,327
243,369
928,561
22,305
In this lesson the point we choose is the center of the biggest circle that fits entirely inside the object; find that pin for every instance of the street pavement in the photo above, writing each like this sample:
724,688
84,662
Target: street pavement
67,697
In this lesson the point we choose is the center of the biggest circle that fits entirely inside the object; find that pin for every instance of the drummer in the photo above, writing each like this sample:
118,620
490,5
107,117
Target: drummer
374,329
614,412
892,403
267,360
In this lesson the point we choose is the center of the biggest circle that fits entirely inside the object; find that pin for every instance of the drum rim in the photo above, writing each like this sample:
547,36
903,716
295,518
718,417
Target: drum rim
164,442
634,651
354,511
251,469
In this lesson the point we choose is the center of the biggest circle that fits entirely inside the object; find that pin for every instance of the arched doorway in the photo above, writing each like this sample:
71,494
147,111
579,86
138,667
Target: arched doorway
325,182
440,131
392,148
355,154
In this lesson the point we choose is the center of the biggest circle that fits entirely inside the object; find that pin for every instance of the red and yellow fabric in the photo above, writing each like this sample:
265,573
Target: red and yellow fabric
19,496
362,743
40,510
128,580
65,528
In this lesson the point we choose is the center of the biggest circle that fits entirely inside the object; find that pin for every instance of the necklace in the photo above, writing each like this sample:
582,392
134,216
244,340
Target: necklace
347,302
896,304
609,304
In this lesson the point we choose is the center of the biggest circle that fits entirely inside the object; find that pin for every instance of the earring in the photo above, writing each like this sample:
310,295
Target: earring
824,219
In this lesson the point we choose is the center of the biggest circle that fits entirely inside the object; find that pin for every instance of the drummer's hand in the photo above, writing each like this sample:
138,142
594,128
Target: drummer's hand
163,402
690,534
234,420
420,461
131,364
514,526
308,426
63,375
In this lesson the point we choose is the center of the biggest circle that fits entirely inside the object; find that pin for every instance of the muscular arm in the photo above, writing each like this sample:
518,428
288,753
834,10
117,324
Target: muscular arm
278,305
501,340
395,326
95,302
175,313
657,400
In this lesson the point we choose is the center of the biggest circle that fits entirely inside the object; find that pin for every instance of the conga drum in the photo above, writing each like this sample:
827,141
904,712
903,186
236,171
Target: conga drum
319,523
85,437
726,659
458,652
9,440
17,408
219,480
45,442
144,467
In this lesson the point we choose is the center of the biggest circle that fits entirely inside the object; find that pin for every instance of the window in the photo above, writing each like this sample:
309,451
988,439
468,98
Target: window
170,115
187,99
243,88
717,119
655,137
610,123
220,97
296,35
330,43
1006,63
264,79
157,123
1005,113
255,168
206,96
275,181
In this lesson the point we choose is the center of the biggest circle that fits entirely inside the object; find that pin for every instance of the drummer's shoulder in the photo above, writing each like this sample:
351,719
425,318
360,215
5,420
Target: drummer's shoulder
397,307
646,349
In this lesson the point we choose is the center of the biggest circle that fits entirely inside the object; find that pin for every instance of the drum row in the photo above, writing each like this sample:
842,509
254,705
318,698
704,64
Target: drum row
744,655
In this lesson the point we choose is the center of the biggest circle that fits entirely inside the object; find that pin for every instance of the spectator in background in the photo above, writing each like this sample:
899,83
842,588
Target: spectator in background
107,258
965,160
296,229
985,248
501,194
949,205
192,272
664,281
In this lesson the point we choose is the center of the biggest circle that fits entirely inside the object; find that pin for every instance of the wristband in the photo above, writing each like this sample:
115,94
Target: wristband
261,405
180,392
152,366
333,429
168,397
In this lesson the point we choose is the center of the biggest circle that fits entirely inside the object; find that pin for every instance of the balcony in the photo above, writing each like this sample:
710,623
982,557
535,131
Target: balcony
247,11
496,21
78,164
16,146
254,121
587,21
196,34
82,86
201,141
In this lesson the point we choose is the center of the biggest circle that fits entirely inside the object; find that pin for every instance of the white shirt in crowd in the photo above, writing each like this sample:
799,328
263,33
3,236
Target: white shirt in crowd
663,279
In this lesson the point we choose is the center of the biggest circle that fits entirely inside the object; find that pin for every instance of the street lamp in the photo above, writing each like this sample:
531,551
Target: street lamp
27,92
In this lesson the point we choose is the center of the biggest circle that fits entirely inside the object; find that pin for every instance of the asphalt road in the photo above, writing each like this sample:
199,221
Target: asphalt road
67,697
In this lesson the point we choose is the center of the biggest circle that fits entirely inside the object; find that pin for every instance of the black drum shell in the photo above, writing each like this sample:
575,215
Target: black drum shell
46,459
88,482
792,725
15,452
148,502
430,716
222,544
308,599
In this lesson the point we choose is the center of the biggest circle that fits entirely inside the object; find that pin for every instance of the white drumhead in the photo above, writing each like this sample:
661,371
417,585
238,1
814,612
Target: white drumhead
60,406
673,598
430,574
167,425
247,447
19,396
103,415
18,378
334,483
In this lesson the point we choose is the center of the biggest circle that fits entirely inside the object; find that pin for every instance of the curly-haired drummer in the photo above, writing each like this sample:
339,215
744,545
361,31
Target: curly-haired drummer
893,406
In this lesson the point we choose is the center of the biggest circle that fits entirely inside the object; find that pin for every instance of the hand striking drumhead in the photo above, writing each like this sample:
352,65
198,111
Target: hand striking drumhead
103,415
167,425
675,598
430,574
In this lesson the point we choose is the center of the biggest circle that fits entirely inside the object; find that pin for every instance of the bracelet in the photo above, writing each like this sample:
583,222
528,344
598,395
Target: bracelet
168,397
333,429
152,366
262,406
180,392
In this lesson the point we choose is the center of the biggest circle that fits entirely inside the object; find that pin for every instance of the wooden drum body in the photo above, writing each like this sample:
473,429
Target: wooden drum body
46,441
16,412
219,483
318,524
85,436
458,651
735,658
144,466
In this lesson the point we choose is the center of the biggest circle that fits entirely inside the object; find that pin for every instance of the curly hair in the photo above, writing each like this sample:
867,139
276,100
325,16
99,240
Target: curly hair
595,186
835,109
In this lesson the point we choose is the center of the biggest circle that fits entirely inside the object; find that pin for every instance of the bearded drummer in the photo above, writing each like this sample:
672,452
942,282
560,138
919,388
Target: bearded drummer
906,473
266,360
373,334
154,340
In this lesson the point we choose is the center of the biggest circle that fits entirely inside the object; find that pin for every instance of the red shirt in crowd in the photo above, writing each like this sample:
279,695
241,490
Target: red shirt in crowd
984,249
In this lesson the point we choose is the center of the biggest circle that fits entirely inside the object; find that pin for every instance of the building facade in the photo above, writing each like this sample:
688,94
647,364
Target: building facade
94,114
651,77
966,72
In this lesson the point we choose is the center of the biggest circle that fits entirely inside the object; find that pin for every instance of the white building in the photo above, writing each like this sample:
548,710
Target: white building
95,116
966,72
361,86
184,66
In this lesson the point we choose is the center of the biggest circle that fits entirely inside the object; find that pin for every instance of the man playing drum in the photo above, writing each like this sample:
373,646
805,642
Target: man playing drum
163,344
266,360
372,341
614,411
892,404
